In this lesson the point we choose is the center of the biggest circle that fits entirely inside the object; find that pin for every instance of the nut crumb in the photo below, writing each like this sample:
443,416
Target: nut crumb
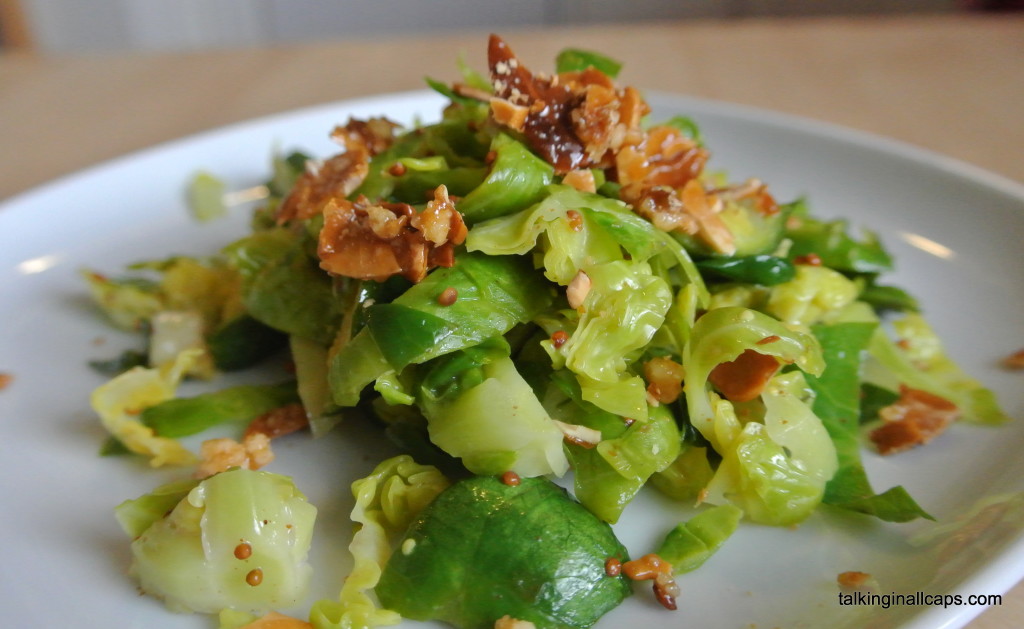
853,580
1014,360
508,622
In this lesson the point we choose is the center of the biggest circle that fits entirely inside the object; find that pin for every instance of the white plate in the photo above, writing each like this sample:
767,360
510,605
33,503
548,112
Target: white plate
954,230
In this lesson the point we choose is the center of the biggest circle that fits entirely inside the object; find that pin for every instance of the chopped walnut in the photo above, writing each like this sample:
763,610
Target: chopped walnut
704,208
664,156
744,379
279,422
690,210
913,420
582,180
581,120
339,176
664,379
751,189
371,136
219,455
574,120
508,114
335,178
440,222
662,206
374,241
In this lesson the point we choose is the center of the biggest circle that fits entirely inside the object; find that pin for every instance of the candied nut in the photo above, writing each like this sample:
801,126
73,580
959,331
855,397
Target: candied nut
662,206
374,241
573,120
219,455
664,156
914,419
751,189
279,421
744,379
582,180
596,122
440,222
372,136
578,289
335,178
339,176
665,379
509,114
384,223
710,227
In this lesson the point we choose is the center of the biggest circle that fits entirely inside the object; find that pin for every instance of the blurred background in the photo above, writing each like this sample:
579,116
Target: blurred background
91,26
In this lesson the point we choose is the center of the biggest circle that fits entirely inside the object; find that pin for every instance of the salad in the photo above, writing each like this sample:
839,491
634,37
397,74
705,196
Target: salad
549,304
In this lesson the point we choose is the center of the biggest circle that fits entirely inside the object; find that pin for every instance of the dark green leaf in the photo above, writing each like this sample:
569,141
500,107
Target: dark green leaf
837,403
243,342
883,298
180,417
494,294
517,180
830,241
873,399
283,287
765,270
484,549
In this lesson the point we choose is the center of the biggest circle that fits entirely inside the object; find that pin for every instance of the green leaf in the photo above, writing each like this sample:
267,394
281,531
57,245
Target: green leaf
179,417
517,180
577,60
243,342
765,270
693,542
494,294
484,549
831,242
283,286
837,403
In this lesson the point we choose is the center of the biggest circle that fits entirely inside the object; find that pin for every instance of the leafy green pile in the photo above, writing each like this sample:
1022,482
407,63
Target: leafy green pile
609,307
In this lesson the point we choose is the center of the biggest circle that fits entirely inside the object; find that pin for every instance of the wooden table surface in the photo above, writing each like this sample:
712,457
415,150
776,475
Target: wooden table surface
953,84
